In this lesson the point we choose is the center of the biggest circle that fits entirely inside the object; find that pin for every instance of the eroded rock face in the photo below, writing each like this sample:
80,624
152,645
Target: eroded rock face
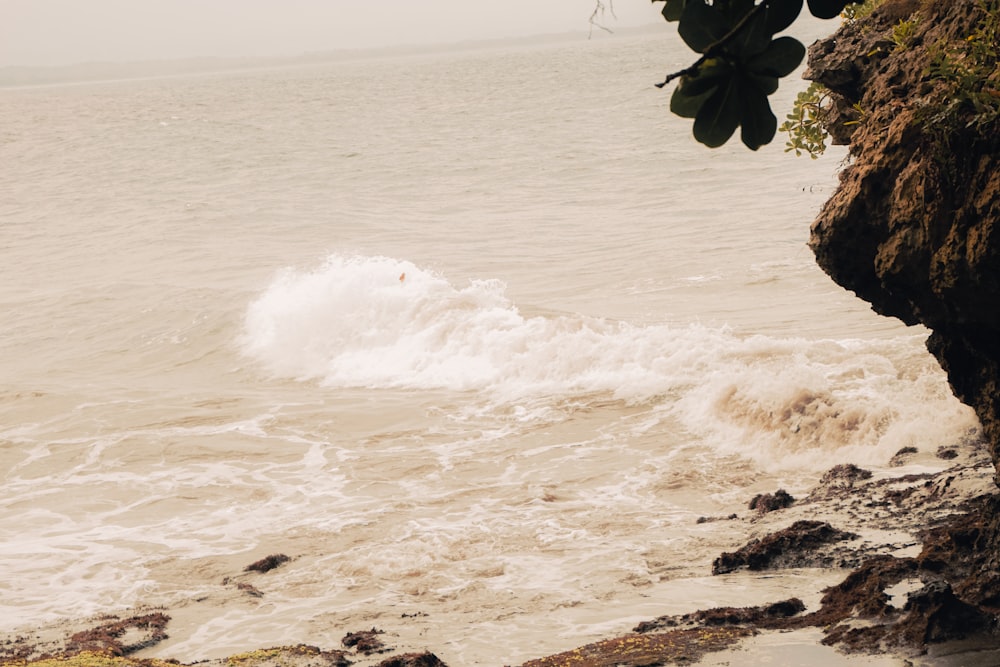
914,228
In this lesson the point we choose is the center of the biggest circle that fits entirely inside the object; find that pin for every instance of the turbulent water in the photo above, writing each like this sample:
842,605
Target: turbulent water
473,337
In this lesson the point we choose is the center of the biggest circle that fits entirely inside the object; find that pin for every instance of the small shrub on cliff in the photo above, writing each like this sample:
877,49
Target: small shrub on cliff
859,10
972,70
804,125
902,33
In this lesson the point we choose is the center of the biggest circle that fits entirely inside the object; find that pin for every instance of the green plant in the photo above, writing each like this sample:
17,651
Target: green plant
972,71
804,125
858,109
741,60
859,10
902,32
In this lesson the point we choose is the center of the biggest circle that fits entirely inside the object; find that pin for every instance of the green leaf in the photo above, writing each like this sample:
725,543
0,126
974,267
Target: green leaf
765,83
827,9
779,59
673,9
692,91
701,26
781,14
709,75
734,10
752,37
719,116
757,122
687,105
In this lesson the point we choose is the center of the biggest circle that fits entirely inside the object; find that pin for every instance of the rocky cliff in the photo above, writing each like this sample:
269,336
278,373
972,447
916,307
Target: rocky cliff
914,227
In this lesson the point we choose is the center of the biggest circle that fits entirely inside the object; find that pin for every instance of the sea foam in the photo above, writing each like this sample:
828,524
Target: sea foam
378,322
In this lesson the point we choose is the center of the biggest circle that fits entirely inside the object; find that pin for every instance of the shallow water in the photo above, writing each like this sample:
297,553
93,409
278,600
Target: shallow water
475,336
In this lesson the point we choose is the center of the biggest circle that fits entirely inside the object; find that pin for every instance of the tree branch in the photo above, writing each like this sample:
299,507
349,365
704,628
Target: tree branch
715,47
599,9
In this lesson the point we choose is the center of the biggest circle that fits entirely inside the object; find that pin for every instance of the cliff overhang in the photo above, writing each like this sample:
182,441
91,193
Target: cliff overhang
914,227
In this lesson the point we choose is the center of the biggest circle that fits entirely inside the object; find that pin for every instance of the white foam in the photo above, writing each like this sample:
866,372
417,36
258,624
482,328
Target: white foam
384,323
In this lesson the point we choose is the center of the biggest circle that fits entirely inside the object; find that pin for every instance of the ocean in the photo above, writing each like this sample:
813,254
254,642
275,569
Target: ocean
474,337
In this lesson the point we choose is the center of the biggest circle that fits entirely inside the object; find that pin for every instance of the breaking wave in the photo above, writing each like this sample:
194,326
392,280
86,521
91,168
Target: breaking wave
378,322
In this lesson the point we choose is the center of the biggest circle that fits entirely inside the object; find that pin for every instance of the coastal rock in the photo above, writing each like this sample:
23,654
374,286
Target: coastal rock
838,482
267,563
120,637
795,546
887,602
845,474
299,655
903,456
946,453
966,552
765,616
770,502
677,647
914,227
932,614
250,590
412,660
365,641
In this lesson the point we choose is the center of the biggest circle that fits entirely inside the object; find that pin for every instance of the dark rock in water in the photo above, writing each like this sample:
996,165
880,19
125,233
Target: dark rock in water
837,480
767,502
869,610
959,594
267,563
711,519
120,637
412,660
250,590
677,647
902,456
764,616
845,474
791,547
966,553
863,591
946,453
366,641
934,615
299,655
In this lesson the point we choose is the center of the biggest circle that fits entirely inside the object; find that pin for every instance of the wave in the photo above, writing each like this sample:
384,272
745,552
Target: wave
379,322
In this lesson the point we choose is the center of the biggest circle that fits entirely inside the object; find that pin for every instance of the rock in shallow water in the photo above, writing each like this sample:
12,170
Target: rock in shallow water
795,546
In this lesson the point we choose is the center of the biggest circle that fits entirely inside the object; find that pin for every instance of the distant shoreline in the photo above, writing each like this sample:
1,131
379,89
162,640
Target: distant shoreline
12,77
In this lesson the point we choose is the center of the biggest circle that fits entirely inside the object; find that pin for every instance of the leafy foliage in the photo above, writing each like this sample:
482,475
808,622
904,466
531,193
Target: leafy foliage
973,70
804,125
740,65
859,10
902,33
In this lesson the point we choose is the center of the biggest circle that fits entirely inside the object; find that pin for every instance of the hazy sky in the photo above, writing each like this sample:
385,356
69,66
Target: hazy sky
58,32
